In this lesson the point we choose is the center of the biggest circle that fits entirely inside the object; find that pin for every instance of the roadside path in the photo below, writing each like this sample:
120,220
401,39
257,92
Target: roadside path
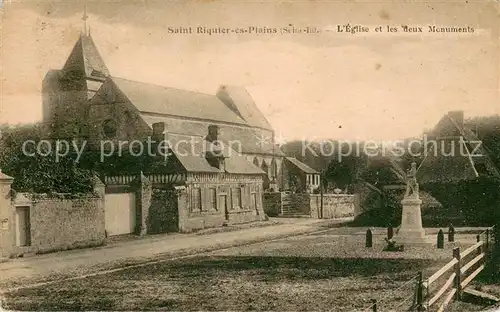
86,261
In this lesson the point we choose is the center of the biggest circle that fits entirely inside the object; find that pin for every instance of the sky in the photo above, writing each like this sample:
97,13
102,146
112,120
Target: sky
380,86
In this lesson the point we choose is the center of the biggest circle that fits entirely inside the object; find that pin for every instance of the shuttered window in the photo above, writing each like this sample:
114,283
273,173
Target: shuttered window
212,198
196,203
236,197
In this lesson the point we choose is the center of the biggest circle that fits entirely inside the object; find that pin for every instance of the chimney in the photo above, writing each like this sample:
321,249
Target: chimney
458,117
160,138
213,133
215,156
159,130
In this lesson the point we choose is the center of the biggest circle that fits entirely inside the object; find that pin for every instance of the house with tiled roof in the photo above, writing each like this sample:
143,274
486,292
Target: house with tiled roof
454,153
84,100
305,177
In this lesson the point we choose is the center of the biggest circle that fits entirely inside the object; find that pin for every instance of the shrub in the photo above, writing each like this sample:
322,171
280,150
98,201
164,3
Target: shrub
476,200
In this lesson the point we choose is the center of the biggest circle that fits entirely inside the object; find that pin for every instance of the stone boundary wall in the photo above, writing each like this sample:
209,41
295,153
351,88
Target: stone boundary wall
334,205
53,221
61,224
296,203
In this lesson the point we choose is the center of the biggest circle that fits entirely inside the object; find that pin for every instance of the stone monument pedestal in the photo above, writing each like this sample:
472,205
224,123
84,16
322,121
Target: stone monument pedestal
411,231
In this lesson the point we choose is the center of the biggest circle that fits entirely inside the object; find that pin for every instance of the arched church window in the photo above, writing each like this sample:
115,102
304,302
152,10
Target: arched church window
256,161
109,128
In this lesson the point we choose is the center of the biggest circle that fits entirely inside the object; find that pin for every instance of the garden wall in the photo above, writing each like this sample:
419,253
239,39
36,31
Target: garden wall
334,206
60,222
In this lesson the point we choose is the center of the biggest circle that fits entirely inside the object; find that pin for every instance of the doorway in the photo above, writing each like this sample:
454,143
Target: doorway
223,203
23,226
254,203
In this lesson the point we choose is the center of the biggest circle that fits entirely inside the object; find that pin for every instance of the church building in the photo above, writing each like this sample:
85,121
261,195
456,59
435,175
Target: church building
83,100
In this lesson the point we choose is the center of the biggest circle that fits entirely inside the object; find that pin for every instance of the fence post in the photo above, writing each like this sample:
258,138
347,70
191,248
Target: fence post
374,305
440,239
390,232
420,292
456,255
451,233
369,239
487,246
480,248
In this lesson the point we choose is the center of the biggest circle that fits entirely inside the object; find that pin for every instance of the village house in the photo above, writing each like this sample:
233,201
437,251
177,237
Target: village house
454,153
302,177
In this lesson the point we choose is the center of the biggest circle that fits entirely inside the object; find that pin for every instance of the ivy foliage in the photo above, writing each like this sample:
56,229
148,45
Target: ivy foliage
34,172
37,168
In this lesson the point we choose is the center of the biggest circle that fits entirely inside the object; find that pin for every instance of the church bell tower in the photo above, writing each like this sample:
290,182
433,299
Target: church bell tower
67,93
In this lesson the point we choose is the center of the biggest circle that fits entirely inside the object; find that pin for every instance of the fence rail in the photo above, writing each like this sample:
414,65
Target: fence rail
474,257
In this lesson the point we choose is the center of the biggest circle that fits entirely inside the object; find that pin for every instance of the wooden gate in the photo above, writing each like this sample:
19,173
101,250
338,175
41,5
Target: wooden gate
120,213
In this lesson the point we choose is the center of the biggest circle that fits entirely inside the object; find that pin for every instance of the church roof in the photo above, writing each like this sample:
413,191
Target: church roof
241,102
252,142
191,150
86,57
149,98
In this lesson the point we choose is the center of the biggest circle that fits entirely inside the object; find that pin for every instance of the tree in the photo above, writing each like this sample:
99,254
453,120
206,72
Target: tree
34,166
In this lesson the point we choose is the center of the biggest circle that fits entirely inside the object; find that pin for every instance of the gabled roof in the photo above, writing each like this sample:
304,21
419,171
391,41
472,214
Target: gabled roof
240,101
188,151
149,98
86,57
301,166
462,165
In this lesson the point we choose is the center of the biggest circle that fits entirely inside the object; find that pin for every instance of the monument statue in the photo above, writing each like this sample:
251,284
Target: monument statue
411,182
411,231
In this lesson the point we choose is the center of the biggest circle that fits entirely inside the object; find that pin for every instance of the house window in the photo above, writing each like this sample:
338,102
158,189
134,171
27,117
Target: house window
196,200
222,202
236,197
212,195
254,201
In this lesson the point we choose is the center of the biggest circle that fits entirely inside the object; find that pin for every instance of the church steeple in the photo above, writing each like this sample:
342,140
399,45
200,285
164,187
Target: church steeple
84,69
86,58
84,18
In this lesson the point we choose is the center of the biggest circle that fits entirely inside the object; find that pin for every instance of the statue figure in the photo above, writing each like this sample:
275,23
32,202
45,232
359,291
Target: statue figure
411,182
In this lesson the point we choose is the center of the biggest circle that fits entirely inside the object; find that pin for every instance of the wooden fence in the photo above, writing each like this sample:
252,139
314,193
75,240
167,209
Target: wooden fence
464,267
448,283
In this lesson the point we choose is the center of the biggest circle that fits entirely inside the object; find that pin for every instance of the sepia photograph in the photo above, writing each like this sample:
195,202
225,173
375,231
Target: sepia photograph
226,155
